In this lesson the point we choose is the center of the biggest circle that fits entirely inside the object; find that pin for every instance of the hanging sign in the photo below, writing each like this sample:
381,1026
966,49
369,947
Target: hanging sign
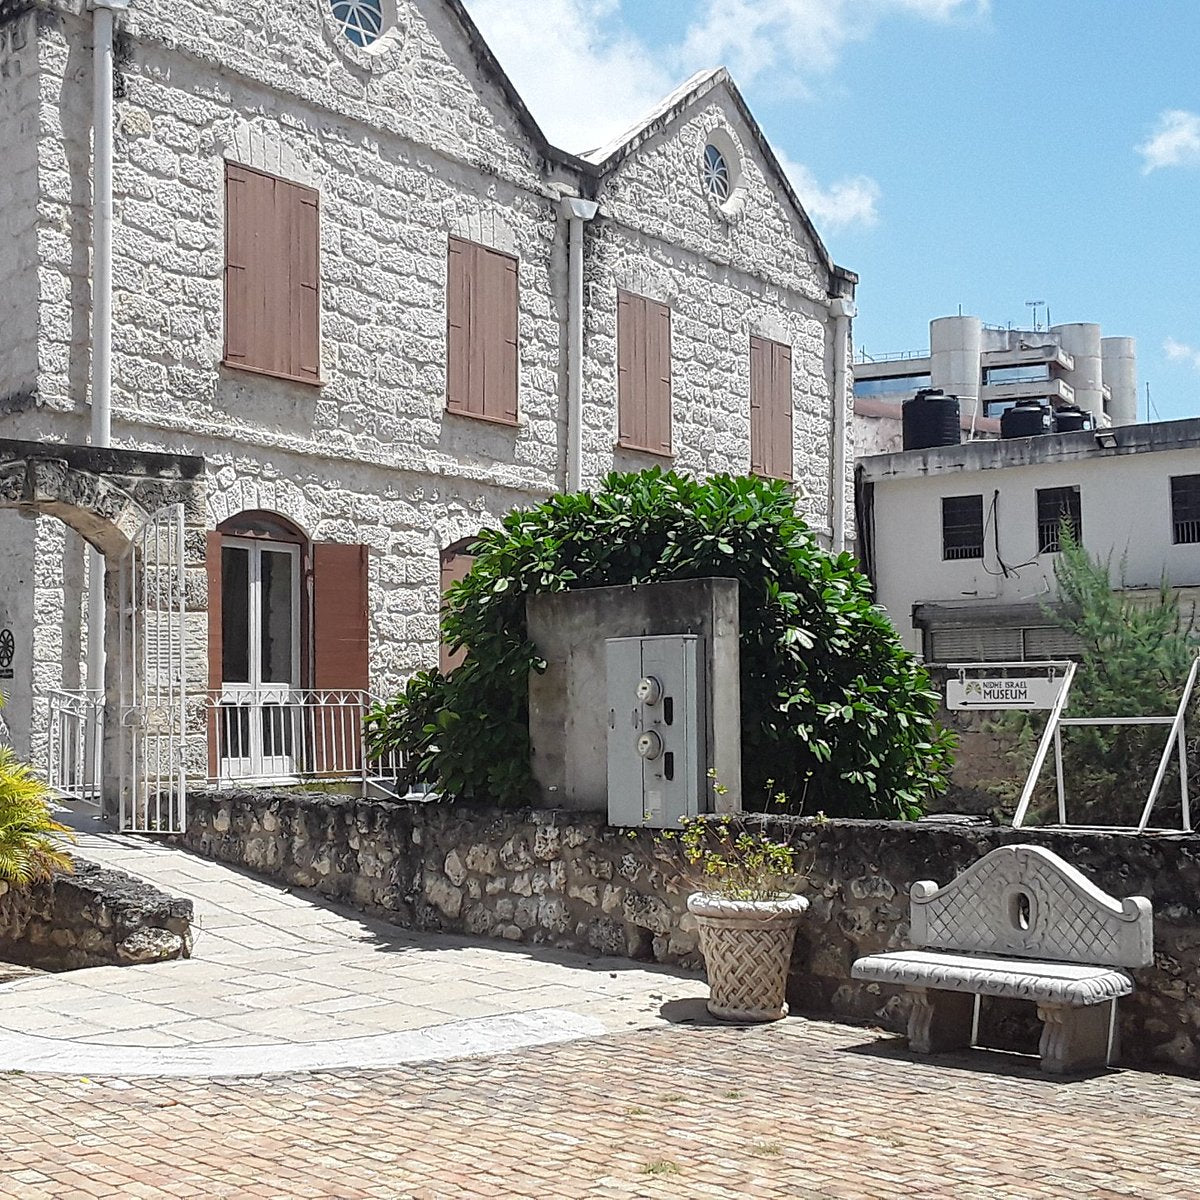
1019,691
7,651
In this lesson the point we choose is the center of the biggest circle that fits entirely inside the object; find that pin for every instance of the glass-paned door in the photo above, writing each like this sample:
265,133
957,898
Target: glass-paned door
260,658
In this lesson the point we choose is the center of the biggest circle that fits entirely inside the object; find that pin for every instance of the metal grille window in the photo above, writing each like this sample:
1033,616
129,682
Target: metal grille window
1057,507
1185,508
962,527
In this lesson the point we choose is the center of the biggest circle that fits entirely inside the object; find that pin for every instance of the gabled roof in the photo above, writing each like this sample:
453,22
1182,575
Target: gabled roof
596,164
608,158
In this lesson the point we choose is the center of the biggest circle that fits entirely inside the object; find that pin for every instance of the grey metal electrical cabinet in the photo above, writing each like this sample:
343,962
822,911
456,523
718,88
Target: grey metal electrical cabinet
656,730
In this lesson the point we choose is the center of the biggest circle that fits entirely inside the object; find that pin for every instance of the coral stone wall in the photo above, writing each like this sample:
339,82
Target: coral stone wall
94,917
569,880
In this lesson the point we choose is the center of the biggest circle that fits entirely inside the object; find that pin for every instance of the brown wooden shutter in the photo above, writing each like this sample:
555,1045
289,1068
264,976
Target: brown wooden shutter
760,379
781,402
658,377
770,408
630,402
272,275
341,638
305,283
501,398
455,565
458,333
482,316
240,262
643,373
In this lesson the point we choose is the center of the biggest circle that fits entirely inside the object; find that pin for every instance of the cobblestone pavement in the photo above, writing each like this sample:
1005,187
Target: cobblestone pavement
794,1111
280,980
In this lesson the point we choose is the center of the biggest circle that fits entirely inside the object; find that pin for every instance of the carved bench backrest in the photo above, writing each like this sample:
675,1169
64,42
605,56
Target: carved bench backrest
1026,902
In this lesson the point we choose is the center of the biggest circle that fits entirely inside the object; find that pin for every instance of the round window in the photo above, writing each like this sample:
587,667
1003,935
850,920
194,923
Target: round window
715,173
361,21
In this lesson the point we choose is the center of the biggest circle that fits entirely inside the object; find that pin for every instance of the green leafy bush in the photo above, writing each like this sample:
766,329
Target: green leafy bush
834,710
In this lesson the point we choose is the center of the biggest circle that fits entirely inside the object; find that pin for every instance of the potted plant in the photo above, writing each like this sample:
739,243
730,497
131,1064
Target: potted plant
746,911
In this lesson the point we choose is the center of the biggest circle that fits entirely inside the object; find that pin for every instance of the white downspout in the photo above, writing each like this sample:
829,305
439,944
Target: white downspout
576,211
842,310
103,20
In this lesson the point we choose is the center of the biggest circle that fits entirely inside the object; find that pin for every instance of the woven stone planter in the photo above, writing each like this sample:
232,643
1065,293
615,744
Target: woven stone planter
747,945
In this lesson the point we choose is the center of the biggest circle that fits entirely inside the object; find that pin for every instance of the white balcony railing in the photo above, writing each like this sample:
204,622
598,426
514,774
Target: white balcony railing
281,735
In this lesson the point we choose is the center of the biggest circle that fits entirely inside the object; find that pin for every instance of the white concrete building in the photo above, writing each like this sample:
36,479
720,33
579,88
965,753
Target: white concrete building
348,270
961,541
990,368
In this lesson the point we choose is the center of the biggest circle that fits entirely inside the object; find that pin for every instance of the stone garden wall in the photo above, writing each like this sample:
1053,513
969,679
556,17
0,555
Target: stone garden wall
94,917
569,880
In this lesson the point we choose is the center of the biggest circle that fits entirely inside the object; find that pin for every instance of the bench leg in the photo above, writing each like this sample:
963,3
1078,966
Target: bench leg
1073,1039
939,1020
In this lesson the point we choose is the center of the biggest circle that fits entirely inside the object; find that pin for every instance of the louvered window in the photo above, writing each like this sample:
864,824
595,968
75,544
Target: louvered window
481,342
272,275
643,374
962,527
1185,508
770,408
1057,507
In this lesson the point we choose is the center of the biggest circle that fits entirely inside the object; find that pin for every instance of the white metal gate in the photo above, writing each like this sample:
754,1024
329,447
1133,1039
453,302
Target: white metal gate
152,683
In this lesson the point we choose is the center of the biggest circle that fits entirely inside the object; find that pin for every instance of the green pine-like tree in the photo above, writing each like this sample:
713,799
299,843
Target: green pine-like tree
1135,653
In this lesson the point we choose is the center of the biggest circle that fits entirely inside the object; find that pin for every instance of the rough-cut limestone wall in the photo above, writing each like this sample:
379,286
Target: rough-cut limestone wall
18,212
94,917
570,880
726,276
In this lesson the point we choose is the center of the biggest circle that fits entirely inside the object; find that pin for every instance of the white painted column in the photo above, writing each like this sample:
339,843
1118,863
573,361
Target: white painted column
842,310
103,20
576,211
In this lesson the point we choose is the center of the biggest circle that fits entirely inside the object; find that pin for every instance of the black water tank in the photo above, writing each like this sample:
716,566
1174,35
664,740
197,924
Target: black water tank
931,418
1027,418
1071,418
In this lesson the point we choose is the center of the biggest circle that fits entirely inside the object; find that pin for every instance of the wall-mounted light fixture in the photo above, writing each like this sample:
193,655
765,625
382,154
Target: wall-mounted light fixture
1106,439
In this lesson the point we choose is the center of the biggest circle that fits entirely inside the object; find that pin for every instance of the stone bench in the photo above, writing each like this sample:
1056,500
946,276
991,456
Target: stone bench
1023,924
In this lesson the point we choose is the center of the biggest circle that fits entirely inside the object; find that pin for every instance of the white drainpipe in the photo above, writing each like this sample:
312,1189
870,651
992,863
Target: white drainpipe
576,211
103,18
842,310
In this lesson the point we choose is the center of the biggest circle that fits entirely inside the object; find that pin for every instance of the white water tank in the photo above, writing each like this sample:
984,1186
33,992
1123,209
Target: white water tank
1119,365
1082,342
955,348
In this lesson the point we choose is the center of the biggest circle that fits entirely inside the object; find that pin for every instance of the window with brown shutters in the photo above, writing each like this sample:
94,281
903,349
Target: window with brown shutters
272,275
770,408
481,336
643,374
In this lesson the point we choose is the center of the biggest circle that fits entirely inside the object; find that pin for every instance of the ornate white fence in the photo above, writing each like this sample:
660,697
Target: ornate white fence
75,735
289,736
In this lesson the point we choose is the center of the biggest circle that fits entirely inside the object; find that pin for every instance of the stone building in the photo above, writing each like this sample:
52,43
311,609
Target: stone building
351,274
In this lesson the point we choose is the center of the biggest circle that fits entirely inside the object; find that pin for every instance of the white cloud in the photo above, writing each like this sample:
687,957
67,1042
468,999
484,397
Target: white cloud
793,39
1174,143
845,202
1182,352
586,79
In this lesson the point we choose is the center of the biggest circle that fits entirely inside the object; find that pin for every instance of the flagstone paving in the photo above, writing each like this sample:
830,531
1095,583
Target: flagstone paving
280,980
794,1111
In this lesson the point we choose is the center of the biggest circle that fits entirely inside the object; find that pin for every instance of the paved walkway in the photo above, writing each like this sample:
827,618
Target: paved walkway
280,981
794,1111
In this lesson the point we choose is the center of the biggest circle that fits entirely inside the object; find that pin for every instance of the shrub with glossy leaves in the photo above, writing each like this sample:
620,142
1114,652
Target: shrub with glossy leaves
834,709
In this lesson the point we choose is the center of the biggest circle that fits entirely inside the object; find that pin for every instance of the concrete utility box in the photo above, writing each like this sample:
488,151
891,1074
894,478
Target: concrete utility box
684,634
655,730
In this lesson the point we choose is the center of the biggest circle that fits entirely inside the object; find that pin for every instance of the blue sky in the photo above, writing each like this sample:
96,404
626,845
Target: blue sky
952,152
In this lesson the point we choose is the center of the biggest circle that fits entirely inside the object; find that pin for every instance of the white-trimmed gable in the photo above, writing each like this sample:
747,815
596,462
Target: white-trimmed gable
652,179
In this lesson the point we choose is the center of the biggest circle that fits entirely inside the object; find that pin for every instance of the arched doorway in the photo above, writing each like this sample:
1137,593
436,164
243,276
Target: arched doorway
144,513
